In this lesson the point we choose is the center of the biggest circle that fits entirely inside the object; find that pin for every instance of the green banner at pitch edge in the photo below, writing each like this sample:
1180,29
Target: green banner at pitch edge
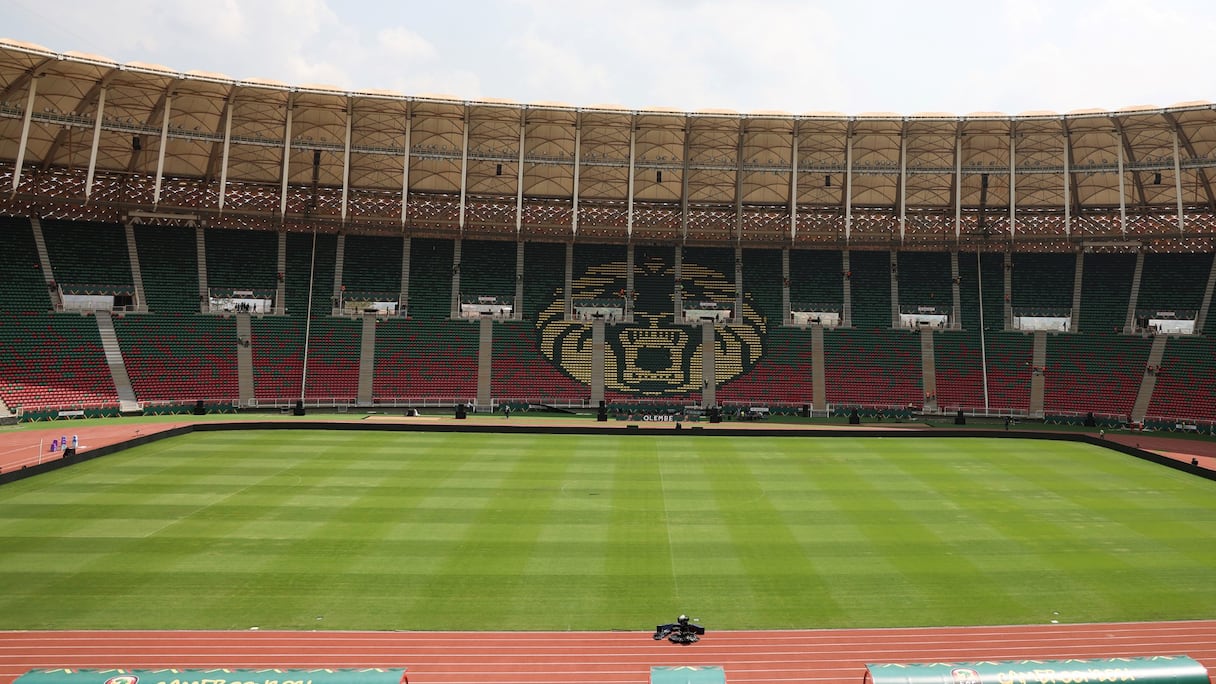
1176,669
687,674
216,676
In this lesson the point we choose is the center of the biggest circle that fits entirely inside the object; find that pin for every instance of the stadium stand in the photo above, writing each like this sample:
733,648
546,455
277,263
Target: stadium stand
521,372
815,277
870,275
487,268
426,359
873,367
430,278
924,279
333,360
88,256
1043,280
241,259
272,227
762,282
1173,282
53,360
168,260
1186,365
1096,373
1105,291
179,357
1009,356
960,381
544,273
278,352
784,374
22,283
372,263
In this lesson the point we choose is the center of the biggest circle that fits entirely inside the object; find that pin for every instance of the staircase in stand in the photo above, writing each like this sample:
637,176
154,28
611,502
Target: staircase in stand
44,259
200,247
244,360
118,370
1145,395
137,277
1129,325
1038,359
928,368
367,360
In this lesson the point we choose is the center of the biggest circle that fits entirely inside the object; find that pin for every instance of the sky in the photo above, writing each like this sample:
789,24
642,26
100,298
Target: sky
850,56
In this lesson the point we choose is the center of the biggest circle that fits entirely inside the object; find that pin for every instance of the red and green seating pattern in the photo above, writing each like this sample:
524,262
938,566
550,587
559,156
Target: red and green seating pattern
879,367
1185,382
278,352
1010,369
419,358
959,370
333,358
784,374
1093,373
53,360
176,357
520,371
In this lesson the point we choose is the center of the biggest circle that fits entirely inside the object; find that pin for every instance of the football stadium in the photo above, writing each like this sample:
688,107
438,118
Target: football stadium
306,385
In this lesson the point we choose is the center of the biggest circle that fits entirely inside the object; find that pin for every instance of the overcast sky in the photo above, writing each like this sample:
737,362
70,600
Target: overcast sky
850,56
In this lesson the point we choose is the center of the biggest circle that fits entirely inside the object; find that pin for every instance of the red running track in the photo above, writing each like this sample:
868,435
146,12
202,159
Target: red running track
754,657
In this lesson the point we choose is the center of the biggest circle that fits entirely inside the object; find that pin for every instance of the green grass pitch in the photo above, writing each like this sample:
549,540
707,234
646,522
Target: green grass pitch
447,531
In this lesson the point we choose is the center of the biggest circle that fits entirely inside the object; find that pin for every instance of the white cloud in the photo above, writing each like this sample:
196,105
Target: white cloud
401,42
793,55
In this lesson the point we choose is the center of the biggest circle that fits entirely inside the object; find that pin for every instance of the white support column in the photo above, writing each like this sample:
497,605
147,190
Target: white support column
100,114
684,181
1178,182
1067,184
958,183
519,177
633,139
350,117
739,181
578,152
848,185
25,131
794,184
291,105
224,154
1013,192
405,170
903,184
160,154
464,167
1122,185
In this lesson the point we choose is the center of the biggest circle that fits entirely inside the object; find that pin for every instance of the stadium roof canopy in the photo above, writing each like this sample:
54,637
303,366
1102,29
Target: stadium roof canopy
86,137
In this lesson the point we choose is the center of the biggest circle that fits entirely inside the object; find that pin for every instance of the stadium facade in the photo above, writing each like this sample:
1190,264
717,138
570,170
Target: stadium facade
1036,264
